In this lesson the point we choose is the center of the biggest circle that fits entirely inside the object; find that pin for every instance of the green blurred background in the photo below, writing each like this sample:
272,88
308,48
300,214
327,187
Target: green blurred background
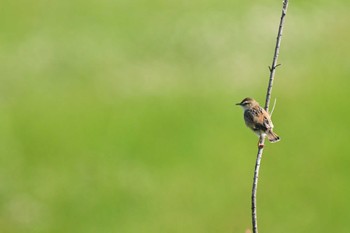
119,116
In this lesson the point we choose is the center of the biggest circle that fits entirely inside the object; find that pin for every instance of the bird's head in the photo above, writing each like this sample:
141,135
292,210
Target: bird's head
247,103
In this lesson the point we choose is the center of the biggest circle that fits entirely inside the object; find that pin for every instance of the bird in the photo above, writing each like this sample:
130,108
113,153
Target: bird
258,120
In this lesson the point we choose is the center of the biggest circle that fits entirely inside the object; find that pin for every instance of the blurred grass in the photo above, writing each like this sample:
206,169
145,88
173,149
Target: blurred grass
118,116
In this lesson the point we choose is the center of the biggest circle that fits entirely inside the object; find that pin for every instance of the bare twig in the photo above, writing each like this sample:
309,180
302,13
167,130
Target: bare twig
255,184
275,56
267,103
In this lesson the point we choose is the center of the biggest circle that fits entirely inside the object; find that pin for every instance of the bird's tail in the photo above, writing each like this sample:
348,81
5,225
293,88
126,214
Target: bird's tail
272,137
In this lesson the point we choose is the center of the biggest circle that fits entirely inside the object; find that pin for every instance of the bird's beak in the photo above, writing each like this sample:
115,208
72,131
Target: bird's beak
238,104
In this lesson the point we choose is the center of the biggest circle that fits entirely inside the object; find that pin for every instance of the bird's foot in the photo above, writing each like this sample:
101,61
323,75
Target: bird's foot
260,145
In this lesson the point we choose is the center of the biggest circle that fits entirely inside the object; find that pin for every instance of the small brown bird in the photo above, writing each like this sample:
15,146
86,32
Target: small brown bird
257,119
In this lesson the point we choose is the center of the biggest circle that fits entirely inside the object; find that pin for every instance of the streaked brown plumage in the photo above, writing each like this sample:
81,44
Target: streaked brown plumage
257,119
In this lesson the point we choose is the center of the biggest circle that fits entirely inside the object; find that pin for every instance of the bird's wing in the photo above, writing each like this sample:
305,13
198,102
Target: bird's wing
266,119
258,119
268,123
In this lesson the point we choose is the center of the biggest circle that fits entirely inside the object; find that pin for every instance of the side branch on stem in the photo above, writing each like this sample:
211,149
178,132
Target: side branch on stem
272,69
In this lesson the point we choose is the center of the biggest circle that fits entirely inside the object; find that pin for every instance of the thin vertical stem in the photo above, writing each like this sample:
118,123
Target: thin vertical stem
275,56
255,184
267,103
